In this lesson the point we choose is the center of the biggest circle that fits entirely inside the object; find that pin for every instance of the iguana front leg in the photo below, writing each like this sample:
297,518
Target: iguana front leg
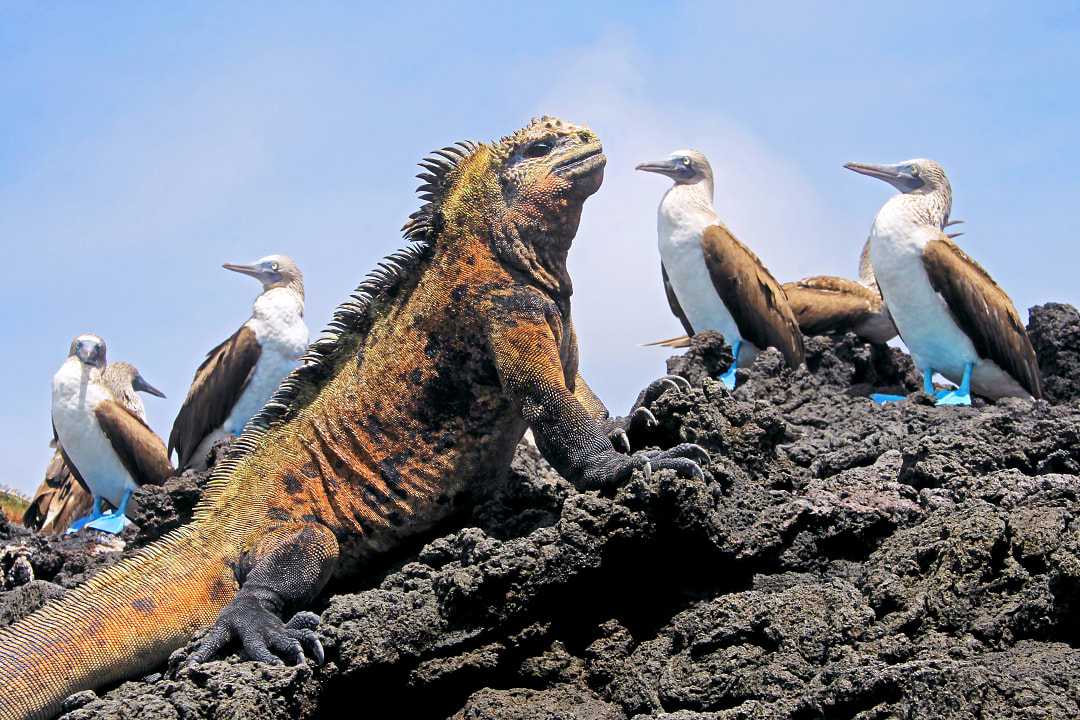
526,351
286,568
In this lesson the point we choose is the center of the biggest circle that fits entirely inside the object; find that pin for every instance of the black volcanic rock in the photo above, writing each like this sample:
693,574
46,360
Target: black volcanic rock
1055,332
839,560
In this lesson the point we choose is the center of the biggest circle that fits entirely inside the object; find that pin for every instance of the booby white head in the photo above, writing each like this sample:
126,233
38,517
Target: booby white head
714,282
273,271
949,312
925,193
88,350
240,375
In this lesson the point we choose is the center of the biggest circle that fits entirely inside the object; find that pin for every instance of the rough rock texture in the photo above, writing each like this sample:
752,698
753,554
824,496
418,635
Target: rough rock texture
840,560
1055,333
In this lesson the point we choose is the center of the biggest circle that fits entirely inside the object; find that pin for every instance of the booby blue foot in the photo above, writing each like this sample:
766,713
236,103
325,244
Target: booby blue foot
882,398
728,376
928,385
82,522
962,395
954,397
115,521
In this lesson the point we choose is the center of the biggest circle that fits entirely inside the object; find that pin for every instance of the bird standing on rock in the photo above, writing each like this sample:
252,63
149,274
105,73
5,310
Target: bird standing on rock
950,313
61,497
239,375
107,446
713,281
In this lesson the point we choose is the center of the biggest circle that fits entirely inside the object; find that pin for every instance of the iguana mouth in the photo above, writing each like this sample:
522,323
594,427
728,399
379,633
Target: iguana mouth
587,161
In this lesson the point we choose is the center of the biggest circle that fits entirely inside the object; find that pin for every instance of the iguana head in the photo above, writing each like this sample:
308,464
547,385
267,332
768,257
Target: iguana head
524,194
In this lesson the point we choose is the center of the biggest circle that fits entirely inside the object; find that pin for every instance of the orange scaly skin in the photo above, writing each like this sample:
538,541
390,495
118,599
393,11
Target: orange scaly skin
427,382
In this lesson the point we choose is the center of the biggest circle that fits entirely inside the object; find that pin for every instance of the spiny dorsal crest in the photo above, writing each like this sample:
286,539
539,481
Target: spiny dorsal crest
438,177
355,315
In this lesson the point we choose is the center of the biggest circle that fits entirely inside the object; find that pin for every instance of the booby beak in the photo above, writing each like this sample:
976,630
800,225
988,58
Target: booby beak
888,173
899,175
253,270
662,167
140,385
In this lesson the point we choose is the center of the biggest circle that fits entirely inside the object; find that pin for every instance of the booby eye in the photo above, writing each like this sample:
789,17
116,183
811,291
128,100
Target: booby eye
686,161
540,148
274,267
914,171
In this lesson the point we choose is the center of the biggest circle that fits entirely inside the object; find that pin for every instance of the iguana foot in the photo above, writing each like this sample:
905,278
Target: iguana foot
658,387
641,417
617,469
262,634
684,459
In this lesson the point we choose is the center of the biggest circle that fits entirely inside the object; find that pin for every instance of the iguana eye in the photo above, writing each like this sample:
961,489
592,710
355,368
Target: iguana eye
540,148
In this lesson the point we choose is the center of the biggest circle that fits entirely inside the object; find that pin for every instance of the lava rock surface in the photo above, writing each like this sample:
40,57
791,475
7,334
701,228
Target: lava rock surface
839,560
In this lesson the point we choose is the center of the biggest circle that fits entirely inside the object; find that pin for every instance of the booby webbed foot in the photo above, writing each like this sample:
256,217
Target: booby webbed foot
954,397
728,376
928,385
883,398
113,522
82,522
116,521
961,395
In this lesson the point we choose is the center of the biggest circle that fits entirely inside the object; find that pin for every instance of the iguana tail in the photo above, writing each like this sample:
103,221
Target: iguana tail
125,619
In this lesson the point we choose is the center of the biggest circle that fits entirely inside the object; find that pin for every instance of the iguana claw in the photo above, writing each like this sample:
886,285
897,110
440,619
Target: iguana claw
620,440
658,387
262,634
643,414
683,459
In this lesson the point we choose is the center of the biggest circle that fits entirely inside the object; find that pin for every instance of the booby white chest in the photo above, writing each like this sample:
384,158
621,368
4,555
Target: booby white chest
278,324
76,392
921,315
680,225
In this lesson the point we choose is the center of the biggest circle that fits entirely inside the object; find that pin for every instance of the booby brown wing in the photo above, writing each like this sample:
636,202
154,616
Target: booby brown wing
56,475
673,302
217,386
983,311
67,462
680,341
826,304
138,447
751,294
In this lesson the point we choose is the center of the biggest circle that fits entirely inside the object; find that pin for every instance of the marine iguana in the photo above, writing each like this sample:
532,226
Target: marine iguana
424,382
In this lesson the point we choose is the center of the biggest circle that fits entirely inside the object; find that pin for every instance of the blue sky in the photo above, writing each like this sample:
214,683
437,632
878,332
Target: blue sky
142,145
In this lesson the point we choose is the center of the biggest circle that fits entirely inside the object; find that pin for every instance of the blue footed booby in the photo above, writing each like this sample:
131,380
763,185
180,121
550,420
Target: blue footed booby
950,313
107,447
238,376
713,281
61,497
